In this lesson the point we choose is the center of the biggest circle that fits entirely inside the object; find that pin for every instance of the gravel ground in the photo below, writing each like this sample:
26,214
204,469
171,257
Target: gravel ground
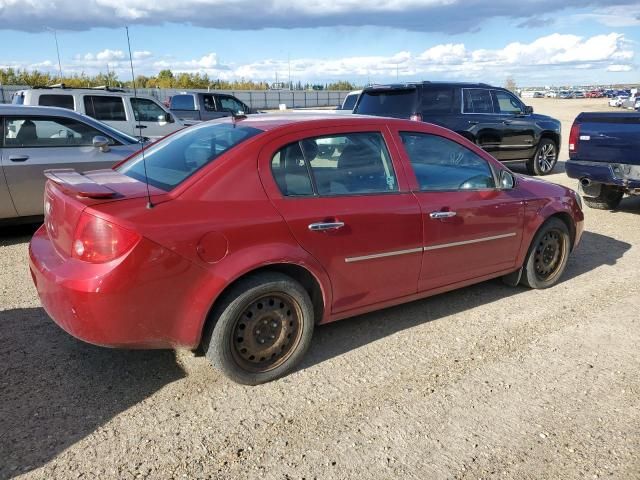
485,382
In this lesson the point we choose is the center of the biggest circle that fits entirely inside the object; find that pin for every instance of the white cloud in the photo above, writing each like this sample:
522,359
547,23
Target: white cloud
619,68
559,55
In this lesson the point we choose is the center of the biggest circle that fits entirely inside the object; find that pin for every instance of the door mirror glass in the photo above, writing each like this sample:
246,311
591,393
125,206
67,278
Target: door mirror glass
101,143
507,180
528,110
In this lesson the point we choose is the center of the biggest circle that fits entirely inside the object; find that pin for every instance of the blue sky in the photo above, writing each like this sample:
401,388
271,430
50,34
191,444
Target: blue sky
539,42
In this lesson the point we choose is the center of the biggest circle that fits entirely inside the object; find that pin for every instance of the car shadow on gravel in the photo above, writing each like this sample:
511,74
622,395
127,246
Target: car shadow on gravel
14,234
56,390
340,337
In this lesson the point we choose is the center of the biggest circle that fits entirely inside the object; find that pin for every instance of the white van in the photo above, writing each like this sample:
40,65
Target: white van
140,116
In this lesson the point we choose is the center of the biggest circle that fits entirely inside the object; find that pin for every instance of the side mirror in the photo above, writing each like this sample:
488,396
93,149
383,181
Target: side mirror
528,110
169,118
507,180
101,143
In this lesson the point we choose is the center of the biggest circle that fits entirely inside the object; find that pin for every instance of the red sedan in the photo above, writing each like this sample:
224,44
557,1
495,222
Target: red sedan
253,231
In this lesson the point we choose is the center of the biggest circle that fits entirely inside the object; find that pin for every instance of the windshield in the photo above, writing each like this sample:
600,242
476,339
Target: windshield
120,135
174,159
350,101
388,103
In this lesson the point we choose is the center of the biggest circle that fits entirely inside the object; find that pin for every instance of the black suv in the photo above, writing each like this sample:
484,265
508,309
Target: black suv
492,117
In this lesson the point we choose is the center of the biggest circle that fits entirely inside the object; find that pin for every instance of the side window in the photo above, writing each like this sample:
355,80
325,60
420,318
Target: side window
230,104
102,107
182,102
348,164
47,132
145,110
507,103
437,100
477,100
209,103
442,164
63,101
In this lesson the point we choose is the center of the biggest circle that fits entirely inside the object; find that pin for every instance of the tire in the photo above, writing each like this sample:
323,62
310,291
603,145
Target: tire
545,158
548,255
261,329
609,198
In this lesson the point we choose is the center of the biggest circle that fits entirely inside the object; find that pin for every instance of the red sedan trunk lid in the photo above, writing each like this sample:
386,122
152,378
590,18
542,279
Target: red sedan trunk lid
69,192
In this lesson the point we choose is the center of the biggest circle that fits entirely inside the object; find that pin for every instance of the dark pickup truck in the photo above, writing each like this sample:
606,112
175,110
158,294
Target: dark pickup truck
492,117
201,106
604,155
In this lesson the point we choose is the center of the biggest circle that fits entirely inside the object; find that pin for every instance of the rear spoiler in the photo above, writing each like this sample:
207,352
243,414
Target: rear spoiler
77,184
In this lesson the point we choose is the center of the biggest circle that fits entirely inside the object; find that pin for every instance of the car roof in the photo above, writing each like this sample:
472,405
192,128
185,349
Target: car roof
427,83
272,121
71,91
11,109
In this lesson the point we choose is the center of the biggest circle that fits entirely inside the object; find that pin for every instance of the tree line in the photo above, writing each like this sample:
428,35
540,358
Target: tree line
164,79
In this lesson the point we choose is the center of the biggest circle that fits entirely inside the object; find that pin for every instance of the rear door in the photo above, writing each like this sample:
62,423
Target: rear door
111,110
7,210
32,144
471,228
350,208
518,131
482,121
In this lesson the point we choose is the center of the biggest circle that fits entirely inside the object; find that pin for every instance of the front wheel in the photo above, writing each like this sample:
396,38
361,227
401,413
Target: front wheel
548,255
545,158
263,329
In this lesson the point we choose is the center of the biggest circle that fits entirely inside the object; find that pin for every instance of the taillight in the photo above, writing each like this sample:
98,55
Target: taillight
574,138
99,241
416,117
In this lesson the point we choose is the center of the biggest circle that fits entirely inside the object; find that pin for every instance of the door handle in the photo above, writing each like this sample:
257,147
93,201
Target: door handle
473,122
441,215
19,158
141,126
507,122
325,226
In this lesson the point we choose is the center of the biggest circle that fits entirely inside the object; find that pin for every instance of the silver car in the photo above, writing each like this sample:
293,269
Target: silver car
38,138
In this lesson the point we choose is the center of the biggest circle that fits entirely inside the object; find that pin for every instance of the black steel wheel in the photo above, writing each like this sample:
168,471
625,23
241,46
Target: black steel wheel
261,328
548,255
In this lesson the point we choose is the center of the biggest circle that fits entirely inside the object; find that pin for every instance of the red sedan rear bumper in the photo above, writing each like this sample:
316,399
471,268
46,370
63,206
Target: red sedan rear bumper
143,300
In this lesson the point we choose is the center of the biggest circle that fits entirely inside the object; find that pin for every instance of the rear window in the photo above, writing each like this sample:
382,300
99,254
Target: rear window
62,101
182,102
18,99
173,160
388,103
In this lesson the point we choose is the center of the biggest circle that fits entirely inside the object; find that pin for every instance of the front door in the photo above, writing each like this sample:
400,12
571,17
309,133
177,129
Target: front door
471,228
34,144
350,208
151,119
518,136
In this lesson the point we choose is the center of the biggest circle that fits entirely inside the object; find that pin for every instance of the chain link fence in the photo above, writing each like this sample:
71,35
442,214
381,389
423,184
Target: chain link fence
260,99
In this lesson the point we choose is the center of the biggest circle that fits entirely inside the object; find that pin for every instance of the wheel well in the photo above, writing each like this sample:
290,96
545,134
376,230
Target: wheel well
296,272
552,136
468,136
568,221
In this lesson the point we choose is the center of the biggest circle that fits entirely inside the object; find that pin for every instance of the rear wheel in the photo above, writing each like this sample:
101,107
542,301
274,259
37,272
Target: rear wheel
264,327
548,255
609,198
545,158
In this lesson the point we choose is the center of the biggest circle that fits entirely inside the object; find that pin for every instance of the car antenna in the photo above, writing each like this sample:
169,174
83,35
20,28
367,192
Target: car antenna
135,95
